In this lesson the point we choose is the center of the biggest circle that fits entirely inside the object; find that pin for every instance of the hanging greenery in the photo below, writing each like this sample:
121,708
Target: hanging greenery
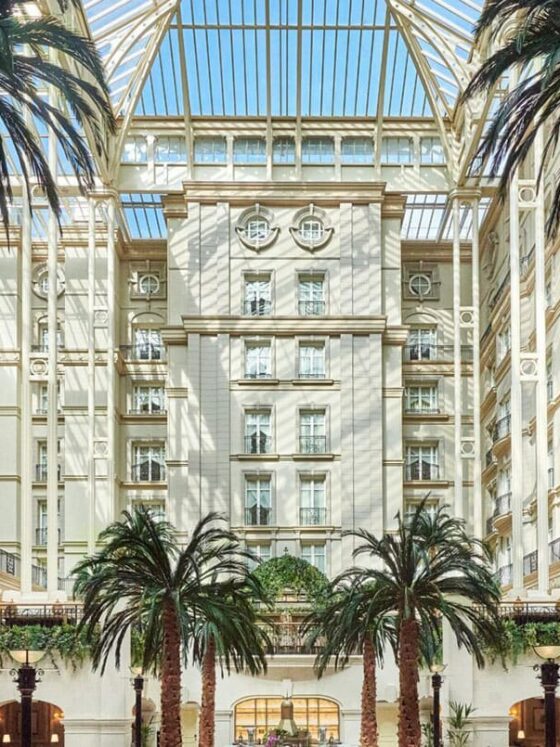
295,575
517,639
59,642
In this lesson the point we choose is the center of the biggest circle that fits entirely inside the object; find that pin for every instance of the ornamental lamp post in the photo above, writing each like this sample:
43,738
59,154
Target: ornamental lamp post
549,680
436,670
138,684
26,676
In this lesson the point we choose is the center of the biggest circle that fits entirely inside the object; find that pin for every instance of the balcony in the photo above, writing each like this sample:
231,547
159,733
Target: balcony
150,471
554,550
418,471
46,615
41,536
144,352
258,443
287,638
502,428
312,444
427,352
311,308
41,471
312,517
502,504
257,307
257,516
489,458
147,411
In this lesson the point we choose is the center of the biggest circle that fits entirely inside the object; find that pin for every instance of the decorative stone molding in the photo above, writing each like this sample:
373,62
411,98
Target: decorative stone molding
311,228
40,277
528,367
100,448
264,217
467,317
100,317
467,448
38,368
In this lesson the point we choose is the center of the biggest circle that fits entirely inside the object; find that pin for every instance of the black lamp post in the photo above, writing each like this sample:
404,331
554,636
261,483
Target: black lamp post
26,677
138,683
549,681
436,670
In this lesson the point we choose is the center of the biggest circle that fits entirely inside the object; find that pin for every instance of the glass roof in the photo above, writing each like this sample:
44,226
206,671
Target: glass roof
303,58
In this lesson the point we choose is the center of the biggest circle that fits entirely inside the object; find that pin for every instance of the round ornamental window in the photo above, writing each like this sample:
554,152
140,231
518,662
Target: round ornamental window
148,284
420,285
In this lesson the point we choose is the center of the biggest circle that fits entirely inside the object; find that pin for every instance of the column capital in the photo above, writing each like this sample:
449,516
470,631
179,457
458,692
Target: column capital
465,194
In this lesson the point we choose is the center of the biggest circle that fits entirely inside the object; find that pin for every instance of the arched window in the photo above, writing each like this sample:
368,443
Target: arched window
319,717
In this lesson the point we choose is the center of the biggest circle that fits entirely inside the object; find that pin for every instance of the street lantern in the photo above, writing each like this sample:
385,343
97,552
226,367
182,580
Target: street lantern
138,684
549,680
436,669
26,676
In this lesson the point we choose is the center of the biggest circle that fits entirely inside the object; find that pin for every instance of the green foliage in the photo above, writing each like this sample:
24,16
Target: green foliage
287,572
427,734
59,641
459,720
516,640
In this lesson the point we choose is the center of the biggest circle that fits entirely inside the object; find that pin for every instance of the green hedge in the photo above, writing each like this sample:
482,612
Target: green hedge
294,574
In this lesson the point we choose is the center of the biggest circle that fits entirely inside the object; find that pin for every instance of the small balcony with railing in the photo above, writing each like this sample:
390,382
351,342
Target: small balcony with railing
258,443
421,471
501,433
501,515
312,517
149,352
311,308
41,472
258,516
312,444
427,352
42,536
256,307
148,471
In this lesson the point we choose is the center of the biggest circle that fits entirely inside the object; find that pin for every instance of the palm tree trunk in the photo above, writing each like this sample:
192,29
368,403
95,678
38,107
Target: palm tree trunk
368,726
208,699
409,714
170,735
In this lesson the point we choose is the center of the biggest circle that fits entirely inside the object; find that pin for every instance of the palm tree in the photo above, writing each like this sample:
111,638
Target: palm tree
143,577
534,45
349,624
233,636
432,571
38,54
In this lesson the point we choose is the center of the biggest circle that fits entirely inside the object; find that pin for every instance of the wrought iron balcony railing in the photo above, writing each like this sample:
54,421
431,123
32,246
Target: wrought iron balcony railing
257,516
311,308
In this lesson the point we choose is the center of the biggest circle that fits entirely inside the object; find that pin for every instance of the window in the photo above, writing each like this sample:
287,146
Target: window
249,150
356,150
311,295
312,360
422,462
262,553
312,501
504,343
257,432
255,228
318,717
258,360
421,399
147,345
551,476
549,381
283,151
148,462
431,151
548,294
135,150
311,230
396,150
210,150
41,531
315,554
503,484
43,329
148,399
422,344
312,432
317,150
41,469
148,284
258,296
171,149
420,284
258,501
43,399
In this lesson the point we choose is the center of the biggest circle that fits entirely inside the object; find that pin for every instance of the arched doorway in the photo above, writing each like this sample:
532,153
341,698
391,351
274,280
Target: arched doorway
526,726
317,717
47,726
189,724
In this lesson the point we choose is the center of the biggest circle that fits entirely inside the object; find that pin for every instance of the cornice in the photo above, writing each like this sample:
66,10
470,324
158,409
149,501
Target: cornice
432,251
285,326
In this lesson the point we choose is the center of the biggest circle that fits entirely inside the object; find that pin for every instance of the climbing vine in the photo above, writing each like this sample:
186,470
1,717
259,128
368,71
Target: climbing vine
288,573
59,641
517,639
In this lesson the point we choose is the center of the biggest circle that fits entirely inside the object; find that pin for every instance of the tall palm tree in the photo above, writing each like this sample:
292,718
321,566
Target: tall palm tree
39,53
432,570
531,43
143,577
231,636
349,624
